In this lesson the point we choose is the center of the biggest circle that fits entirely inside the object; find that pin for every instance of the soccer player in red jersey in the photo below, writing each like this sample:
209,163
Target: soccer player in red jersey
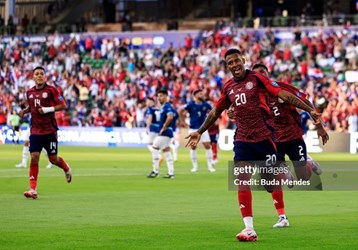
214,135
288,133
43,101
288,130
253,142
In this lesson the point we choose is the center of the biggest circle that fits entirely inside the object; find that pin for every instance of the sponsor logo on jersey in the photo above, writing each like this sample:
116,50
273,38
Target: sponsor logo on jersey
249,85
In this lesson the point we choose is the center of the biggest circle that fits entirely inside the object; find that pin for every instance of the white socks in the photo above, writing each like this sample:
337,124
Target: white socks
170,164
209,158
175,148
155,158
249,222
25,155
194,158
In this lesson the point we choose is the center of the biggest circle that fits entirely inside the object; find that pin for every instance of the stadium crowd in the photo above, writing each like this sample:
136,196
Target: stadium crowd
105,82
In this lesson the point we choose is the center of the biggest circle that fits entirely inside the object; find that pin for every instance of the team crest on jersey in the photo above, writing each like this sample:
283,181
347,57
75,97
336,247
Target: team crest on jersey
31,96
44,95
275,84
249,85
231,92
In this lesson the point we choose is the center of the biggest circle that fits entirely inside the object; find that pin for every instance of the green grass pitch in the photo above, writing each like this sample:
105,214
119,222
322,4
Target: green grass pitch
112,205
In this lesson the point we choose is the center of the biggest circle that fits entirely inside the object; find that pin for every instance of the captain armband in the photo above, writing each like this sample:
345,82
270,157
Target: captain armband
48,109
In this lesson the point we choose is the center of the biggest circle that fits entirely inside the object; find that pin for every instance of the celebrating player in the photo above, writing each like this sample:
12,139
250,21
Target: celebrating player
43,101
198,109
253,137
288,138
289,132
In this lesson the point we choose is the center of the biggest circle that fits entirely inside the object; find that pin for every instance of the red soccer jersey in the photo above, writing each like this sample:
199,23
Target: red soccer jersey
48,96
286,121
250,105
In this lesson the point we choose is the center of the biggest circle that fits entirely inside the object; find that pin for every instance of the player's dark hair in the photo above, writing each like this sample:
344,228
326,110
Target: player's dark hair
150,98
196,91
232,51
260,65
162,91
38,67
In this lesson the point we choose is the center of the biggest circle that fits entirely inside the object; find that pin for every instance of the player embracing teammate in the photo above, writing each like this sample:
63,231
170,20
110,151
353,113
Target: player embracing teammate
253,142
288,134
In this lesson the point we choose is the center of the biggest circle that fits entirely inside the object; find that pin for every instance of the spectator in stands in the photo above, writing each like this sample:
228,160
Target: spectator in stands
115,80
25,21
1,21
11,26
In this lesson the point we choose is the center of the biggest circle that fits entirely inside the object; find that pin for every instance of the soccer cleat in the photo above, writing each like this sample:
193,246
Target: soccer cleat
247,234
49,165
31,194
68,175
282,222
152,174
169,176
212,170
20,165
194,170
287,175
316,168
214,162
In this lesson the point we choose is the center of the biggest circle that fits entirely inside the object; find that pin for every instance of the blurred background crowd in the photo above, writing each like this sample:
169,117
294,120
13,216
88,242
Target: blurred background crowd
105,81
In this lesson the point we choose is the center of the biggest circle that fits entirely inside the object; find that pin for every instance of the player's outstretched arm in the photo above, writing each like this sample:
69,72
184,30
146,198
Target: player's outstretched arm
298,103
308,103
321,132
194,137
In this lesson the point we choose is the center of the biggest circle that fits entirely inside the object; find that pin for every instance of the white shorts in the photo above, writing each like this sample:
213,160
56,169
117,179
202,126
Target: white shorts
152,136
204,137
161,142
